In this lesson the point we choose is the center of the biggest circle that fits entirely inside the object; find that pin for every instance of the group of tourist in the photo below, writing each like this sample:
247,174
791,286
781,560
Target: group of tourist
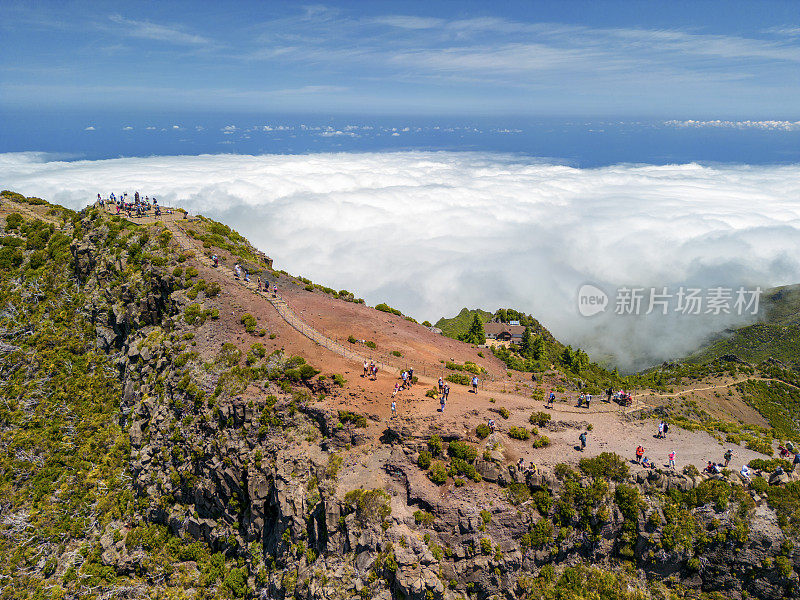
531,469
649,464
370,370
444,393
137,206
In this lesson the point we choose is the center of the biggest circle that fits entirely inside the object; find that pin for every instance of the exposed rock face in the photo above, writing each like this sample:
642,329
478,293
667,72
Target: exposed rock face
257,480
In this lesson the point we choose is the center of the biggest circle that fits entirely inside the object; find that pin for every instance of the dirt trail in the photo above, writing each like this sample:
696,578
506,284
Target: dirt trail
175,224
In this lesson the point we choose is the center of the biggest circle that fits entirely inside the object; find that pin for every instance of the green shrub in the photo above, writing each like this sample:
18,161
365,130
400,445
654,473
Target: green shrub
458,378
13,221
383,307
346,416
212,290
396,353
437,473
539,418
351,339
249,322
482,430
519,433
369,505
770,465
424,460
517,493
339,379
370,344
543,501
307,372
462,467
435,445
432,393
760,484
606,465
541,442
462,450
541,533
486,545
423,517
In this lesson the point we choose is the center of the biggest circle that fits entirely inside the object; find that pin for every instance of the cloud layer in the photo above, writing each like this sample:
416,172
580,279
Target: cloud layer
433,232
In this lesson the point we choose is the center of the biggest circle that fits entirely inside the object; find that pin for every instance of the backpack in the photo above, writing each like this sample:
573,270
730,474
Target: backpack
666,428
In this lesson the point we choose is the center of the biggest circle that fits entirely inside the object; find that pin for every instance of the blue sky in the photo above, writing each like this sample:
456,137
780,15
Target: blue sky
703,60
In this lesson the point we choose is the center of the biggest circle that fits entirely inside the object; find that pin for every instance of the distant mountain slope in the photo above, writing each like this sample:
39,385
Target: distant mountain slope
777,336
459,324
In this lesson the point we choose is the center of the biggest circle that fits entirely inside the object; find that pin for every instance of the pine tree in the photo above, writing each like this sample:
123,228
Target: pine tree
538,347
527,342
476,334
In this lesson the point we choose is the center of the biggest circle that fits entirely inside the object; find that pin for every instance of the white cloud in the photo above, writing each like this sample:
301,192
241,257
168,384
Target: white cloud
228,129
127,128
408,21
150,128
433,232
154,31
89,128
768,125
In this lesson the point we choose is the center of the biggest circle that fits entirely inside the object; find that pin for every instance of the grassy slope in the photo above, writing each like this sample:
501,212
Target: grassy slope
777,336
459,324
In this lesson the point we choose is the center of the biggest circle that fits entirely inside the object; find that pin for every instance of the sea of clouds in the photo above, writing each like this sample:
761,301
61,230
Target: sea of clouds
431,232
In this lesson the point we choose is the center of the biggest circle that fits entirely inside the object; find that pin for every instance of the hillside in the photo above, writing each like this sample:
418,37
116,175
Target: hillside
776,336
172,431
459,325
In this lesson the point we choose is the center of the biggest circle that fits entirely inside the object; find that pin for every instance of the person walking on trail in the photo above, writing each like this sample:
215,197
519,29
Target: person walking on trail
442,402
491,425
441,385
639,454
580,399
410,376
374,372
446,391
551,398
394,409
365,368
475,384
582,439
396,389
215,260
666,430
274,291
672,459
660,429
728,456
588,400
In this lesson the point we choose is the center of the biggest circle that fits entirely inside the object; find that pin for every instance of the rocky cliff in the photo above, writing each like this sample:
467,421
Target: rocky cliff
202,470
